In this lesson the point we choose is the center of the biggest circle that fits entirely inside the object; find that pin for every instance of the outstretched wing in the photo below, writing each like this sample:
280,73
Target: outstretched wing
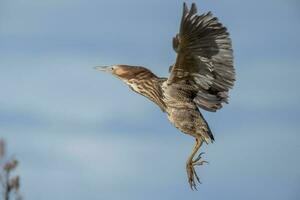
204,64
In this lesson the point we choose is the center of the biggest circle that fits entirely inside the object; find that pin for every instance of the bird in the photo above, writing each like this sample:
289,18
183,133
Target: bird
200,79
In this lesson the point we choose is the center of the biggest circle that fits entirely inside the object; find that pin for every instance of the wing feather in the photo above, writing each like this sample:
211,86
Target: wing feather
204,59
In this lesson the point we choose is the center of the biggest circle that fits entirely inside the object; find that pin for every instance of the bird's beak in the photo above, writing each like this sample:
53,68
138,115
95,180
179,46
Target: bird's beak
103,68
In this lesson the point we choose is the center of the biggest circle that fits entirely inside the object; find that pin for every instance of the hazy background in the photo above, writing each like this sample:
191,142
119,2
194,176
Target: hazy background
80,134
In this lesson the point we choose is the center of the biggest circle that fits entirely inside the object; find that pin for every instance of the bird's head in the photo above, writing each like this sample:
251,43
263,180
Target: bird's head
127,72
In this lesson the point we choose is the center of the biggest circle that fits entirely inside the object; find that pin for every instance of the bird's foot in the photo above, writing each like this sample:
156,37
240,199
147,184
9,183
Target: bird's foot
191,172
199,160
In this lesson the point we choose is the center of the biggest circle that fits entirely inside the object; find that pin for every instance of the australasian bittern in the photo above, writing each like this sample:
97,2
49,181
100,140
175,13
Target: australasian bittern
200,78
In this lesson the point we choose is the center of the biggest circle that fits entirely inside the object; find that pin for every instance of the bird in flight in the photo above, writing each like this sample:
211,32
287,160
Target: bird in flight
201,77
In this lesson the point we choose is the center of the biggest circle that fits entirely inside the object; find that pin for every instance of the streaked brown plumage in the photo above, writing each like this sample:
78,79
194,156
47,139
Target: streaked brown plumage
200,78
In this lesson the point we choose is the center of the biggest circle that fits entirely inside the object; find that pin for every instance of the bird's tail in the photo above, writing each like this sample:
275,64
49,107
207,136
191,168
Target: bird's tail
207,134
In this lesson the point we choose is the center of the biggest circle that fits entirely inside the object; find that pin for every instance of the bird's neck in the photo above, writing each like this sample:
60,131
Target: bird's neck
150,88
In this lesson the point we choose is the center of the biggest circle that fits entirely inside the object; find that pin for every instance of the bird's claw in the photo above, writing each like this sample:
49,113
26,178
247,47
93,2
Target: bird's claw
198,160
191,172
199,156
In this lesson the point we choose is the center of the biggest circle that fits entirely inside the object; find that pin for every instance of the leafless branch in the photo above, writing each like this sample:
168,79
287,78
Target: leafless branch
9,184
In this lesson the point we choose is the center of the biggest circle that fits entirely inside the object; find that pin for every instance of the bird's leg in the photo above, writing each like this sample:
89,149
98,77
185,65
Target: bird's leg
191,173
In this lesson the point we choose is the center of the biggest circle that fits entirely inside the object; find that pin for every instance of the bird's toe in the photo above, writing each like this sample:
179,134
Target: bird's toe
192,176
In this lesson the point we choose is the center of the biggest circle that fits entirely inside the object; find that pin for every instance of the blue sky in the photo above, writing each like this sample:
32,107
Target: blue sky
80,134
